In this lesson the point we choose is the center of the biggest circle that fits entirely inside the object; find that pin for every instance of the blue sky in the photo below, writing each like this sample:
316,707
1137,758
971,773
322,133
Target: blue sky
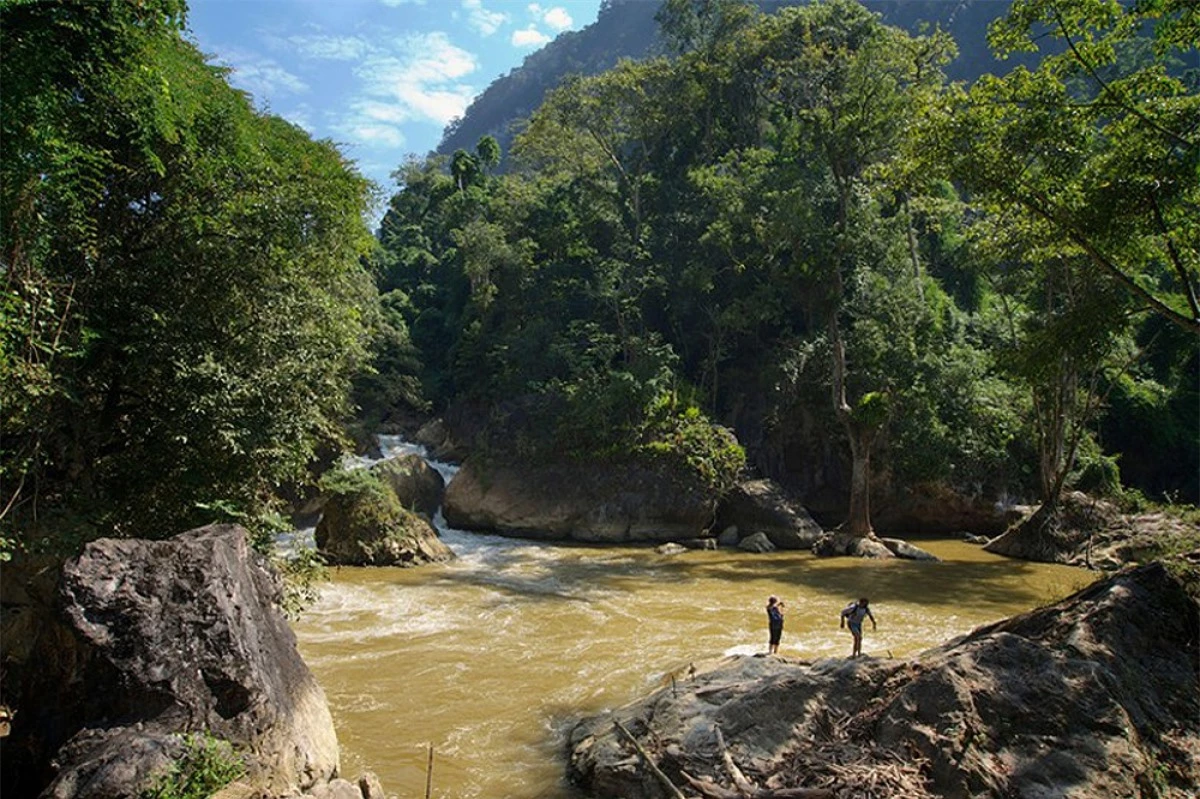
380,77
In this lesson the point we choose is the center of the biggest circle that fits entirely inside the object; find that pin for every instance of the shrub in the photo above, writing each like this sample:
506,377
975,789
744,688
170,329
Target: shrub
206,765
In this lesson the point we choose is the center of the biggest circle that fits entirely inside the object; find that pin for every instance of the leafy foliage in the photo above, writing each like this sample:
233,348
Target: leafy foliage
798,236
184,300
206,765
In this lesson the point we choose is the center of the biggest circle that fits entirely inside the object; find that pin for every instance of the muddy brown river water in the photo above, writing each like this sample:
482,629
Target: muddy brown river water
492,657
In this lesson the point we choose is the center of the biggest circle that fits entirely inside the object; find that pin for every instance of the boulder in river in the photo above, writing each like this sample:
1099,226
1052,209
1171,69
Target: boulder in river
939,509
1093,696
417,485
756,542
834,544
902,549
435,436
142,641
592,501
365,525
761,506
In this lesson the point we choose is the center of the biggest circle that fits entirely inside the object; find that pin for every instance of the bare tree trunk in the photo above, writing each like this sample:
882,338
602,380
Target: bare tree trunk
858,520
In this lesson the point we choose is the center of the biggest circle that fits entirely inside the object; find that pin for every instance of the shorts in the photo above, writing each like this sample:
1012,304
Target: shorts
776,633
856,629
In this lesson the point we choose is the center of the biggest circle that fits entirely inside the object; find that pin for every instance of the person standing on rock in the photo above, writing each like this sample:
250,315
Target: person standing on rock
854,613
774,623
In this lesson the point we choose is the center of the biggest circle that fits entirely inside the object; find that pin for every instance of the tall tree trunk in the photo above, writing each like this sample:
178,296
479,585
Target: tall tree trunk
858,520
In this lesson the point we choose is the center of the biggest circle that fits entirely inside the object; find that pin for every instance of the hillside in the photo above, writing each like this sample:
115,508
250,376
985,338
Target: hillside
627,29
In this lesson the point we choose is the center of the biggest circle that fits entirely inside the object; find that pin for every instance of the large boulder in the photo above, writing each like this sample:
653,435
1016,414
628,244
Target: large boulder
441,444
938,509
593,501
1081,530
1094,696
902,549
367,526
836,543
761,506
144,640
417,485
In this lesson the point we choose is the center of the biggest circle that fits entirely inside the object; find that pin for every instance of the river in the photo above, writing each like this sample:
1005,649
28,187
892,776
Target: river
490,658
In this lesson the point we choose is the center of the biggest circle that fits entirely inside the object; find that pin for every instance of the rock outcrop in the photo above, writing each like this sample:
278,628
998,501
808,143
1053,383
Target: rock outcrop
417,485
143,640
937,509
436,437
370,528
761,506
591,501
835,544
1094,696
1091,532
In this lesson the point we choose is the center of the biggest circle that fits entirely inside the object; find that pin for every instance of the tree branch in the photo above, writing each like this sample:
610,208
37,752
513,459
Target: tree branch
1039,205
1176,261
662,778
1106,89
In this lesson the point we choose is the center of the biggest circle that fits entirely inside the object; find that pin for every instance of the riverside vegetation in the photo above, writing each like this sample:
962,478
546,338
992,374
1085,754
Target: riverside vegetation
878,282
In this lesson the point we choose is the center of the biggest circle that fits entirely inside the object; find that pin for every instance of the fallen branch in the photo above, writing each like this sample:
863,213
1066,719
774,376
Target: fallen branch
710,789
744,786
662,778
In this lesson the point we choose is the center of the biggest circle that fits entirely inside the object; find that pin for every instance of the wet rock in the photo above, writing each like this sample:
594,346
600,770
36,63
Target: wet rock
975,539
1094,696
337,789
671,548
835,544
699,543
417,485
729,537
761,506
147,639
435,436
369,527
757,542
902,549
370,786
595,502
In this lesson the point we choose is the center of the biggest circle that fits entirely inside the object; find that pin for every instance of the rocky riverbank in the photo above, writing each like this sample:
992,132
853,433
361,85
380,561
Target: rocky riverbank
113,661
1094,696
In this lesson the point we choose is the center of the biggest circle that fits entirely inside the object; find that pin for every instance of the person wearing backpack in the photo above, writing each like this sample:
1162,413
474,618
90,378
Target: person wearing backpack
853,614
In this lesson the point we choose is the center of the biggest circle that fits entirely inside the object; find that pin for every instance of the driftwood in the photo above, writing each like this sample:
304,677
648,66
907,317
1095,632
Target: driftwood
662,778
743,787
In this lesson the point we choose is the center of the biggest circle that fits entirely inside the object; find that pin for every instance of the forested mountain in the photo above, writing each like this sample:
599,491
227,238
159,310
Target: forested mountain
627,29
797,226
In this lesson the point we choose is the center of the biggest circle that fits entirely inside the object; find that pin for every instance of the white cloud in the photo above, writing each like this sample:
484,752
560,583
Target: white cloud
482,20
535,10
372,134
300,115
558,18
397,3
529,37
418,79
334,48
261,76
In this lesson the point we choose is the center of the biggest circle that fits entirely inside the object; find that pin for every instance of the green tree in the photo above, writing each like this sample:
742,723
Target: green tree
1100,143
201,265
849,89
